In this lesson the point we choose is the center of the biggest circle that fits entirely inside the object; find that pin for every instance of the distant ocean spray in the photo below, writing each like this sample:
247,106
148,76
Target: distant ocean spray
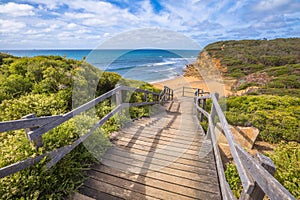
150,65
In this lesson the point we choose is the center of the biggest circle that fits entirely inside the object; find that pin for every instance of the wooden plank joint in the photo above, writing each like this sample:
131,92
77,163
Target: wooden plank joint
38,142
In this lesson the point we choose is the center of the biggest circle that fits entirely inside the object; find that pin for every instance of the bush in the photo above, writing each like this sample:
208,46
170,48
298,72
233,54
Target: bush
41,104
36,182
44,85
287,172
276,117
233,179
287,161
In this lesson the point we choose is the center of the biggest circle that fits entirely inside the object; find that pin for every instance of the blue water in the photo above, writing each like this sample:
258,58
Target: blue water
148,65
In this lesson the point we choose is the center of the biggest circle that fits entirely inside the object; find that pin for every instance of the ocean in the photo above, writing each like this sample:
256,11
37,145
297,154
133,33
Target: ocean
150,65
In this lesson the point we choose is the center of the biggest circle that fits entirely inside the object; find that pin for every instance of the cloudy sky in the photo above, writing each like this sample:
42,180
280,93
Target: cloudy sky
55,24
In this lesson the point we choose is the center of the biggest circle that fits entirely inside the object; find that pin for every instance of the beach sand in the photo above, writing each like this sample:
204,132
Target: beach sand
222,87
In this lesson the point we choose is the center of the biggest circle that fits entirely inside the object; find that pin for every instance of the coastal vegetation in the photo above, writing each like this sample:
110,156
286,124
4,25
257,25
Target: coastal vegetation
269,71
272,65
44,85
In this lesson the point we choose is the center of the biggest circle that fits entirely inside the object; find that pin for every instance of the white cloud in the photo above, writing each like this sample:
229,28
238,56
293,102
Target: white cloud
17,10
72,26
79,15
266,5
11,26
55,23
149,38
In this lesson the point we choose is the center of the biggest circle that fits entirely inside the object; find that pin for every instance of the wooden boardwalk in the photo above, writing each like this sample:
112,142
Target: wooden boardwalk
165,156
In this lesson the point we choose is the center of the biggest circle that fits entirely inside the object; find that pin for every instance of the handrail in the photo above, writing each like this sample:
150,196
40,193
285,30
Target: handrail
254,176
26,123
42,125
166,93
245,178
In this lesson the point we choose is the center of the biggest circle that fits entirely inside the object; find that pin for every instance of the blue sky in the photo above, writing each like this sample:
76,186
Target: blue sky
55,24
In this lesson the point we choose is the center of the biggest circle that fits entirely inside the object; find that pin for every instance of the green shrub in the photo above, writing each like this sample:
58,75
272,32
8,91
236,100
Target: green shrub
233,179
276,117
36,182
41,104
52,85
287,161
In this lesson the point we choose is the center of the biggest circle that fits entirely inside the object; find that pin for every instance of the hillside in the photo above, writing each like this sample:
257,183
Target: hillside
271,65
265,83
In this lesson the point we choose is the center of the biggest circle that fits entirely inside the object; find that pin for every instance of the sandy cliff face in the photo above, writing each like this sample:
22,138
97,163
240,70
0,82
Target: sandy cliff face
206,67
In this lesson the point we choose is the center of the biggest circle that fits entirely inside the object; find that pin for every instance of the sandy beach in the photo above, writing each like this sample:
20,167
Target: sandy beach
223,88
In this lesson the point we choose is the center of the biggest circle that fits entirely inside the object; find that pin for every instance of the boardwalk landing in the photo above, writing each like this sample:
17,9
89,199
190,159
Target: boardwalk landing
162,157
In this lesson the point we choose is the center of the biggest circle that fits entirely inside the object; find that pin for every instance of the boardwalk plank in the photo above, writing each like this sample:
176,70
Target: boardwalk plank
161,157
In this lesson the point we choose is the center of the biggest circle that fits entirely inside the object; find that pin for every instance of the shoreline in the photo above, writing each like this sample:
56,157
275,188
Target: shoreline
224,89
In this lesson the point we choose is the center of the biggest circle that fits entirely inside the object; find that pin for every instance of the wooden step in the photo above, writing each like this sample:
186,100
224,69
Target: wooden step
165,156
154,184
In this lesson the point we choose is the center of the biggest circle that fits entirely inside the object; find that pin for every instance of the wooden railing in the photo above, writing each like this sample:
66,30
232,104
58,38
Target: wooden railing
35,127
256,174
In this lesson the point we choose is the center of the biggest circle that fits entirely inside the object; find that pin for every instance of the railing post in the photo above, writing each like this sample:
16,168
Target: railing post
167,93
119,97
145,97
203,107
172,95
38,142
213,110
183,91
257,193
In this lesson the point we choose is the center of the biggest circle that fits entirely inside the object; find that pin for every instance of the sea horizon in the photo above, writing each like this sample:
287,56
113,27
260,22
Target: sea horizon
156,64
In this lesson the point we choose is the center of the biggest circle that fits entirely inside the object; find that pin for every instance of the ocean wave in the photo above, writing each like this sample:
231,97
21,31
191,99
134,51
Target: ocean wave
148,65
164,63
183,59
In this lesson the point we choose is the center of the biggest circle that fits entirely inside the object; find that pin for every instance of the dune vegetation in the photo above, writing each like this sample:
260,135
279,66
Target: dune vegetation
44,85
269,71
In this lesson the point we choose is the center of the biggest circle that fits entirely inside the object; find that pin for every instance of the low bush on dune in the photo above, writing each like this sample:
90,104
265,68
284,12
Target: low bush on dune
44,85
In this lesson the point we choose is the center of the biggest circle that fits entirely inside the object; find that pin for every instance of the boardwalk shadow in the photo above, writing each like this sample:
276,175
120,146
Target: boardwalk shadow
147,163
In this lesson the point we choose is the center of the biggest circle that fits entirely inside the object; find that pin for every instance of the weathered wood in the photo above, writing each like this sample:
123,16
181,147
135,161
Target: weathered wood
202,169
204,112
203,107
138,90
119,98
146,161
38,126
246,179
249,169
38,141
258,193
40,131
165,95
58,154
225,188
272,188
204,97
26,123
159,188
18,166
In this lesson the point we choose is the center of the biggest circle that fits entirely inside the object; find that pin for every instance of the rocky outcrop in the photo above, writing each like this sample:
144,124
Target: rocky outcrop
206,67
244,136
258,79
